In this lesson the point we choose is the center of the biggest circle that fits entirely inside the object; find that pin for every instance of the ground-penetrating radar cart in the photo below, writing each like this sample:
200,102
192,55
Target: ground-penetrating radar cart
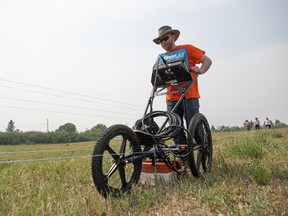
120,151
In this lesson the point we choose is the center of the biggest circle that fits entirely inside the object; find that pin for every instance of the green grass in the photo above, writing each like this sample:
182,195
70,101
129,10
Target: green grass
249,177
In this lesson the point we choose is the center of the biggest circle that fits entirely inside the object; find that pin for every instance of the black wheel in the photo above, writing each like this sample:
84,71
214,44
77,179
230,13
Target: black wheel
115,167
200,158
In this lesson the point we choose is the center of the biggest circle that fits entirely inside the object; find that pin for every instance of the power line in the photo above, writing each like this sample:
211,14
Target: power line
83,114
68,92
30,125
61,96
55,104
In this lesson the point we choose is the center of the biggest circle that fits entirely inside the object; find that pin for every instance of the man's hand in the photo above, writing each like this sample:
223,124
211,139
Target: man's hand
206,63
196,70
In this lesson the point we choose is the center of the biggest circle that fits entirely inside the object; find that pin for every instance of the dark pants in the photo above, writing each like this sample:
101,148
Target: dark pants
257,126
192,108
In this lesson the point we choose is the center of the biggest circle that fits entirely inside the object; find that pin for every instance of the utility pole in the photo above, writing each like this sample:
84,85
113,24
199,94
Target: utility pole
47,125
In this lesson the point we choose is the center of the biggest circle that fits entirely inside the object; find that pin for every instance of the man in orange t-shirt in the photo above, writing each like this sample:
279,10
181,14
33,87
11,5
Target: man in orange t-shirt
167,37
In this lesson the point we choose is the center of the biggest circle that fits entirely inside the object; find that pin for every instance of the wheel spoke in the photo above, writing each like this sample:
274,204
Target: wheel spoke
198,133
121,168
204,162
199,159
112,153
123,147
205,139
122,176
196,147
112,170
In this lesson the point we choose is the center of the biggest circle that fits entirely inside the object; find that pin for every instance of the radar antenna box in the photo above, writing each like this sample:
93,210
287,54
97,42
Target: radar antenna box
171,68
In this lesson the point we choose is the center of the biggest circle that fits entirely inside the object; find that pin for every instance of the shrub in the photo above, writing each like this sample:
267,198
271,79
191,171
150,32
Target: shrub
260,175
247,149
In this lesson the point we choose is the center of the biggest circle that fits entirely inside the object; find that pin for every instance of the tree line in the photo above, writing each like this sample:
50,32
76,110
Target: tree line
66,133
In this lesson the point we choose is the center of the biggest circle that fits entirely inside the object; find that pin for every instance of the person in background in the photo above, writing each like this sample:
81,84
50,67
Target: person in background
257,123
247,125
167,38
267,123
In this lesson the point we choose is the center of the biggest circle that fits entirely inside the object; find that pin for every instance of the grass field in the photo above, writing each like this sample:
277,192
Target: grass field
249,177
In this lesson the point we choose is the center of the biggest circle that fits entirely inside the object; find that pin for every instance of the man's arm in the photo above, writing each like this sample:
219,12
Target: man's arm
206,62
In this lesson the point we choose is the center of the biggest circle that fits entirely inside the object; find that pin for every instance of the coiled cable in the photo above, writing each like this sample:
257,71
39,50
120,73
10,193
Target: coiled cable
148,126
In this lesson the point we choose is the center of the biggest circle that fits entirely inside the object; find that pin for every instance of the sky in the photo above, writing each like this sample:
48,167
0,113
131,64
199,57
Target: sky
89,62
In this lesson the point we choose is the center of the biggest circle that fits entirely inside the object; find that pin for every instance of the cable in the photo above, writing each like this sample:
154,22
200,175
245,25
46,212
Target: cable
83,114
55,104
151,128
61,96
67,92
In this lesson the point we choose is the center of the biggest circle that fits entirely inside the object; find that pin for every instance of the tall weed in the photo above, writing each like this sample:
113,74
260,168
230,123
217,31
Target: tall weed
246,148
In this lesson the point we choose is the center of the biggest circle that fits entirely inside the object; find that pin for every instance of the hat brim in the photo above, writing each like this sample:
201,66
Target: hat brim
174,32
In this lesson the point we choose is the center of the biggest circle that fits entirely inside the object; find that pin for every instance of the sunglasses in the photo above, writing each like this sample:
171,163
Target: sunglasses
164,39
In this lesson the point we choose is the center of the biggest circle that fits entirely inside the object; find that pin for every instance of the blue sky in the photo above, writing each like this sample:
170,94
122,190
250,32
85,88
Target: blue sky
89,62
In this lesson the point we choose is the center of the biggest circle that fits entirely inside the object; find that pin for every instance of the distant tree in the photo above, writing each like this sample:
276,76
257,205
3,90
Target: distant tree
95,132
99,127
279,124
68,127
224,128
213,128
235,128
220,128
10,127
98,130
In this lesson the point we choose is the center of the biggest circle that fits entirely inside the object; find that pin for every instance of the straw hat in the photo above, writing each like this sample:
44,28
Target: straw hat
165,30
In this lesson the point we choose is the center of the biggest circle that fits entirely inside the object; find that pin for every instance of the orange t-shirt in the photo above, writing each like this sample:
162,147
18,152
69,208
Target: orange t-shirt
194,56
